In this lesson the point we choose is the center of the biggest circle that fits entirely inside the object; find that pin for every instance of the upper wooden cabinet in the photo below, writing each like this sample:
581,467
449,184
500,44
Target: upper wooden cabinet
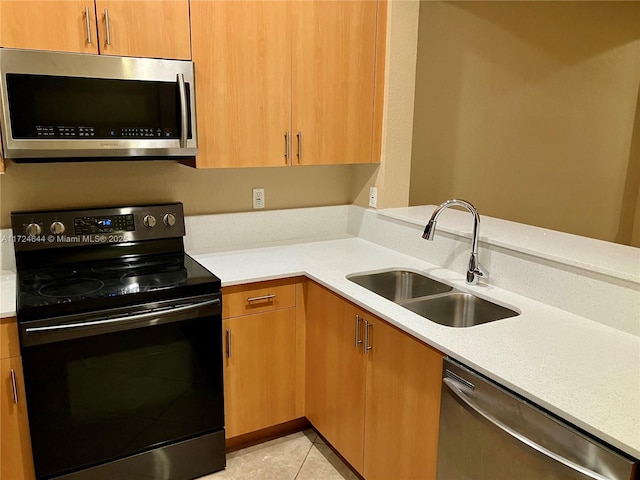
242,54
142,28
288,83
333,81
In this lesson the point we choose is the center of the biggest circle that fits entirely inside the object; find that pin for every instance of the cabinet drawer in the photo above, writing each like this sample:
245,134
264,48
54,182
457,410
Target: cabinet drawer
9,344
258,297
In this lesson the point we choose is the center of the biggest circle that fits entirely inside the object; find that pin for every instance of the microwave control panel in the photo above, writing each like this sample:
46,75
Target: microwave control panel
48,131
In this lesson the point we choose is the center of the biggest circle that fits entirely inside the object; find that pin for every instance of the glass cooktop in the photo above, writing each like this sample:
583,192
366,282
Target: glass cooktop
59,290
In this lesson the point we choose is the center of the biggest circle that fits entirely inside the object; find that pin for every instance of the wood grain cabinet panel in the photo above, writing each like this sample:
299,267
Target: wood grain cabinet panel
145,28
378,406
335,373
259,371
258,297
48,25
141,28
16,460
263,355
9,342
402,407
242,53
333,76
289,82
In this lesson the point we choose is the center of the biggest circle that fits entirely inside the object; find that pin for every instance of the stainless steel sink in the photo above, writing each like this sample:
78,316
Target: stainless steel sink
400,285
431,299
459,310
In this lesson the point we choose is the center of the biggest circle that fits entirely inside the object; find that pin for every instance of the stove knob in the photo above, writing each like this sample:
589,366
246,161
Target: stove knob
33,230
57,228
149,221
169,219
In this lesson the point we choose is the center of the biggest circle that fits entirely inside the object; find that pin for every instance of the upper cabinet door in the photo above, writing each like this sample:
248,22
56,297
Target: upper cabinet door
242,55
49,25
144,28
334,53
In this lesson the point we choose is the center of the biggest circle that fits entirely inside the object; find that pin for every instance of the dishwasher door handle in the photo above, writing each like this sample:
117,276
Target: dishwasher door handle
477,411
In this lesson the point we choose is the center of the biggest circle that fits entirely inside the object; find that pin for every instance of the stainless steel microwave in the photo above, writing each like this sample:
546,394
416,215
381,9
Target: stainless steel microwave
59,106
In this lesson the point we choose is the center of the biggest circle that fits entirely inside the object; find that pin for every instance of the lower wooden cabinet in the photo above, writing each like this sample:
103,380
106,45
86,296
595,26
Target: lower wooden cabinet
16,461
263,355
259,370
335,373
402,405
372,390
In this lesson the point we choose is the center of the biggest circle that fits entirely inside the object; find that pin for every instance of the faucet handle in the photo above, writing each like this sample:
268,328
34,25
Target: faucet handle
475,271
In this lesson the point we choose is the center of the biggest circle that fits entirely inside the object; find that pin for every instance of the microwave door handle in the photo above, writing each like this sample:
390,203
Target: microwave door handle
182,91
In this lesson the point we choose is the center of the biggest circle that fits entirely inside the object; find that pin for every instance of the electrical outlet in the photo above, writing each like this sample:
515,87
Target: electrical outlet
258,198
373,197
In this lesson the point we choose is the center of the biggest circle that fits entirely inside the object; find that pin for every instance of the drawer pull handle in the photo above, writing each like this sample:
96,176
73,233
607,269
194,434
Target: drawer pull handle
229,343
14,386
262,298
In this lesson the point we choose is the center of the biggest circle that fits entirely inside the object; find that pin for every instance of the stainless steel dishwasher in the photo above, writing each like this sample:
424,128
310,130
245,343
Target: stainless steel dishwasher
489,433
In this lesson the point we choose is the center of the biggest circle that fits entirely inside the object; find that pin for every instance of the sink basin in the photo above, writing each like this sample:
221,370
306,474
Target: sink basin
459,310
400,285
433,300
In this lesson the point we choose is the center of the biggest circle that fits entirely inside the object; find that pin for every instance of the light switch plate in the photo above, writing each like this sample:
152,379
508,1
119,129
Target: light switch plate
373,197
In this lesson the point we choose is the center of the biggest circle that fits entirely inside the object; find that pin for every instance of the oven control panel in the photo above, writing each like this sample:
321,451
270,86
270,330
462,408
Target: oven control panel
104,224
66,228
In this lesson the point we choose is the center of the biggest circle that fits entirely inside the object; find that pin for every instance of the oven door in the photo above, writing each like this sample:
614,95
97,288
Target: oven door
76,105
118,386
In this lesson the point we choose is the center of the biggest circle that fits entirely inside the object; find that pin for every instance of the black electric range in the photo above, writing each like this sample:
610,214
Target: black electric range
120,334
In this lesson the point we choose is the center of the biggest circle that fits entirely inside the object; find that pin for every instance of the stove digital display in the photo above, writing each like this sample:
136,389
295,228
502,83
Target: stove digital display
93,225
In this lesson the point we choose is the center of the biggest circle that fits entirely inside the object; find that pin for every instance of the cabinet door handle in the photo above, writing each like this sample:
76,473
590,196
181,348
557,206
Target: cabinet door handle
358,339
368,327
107,26
287,146
269,297
300,146
14,386
87,18
229,343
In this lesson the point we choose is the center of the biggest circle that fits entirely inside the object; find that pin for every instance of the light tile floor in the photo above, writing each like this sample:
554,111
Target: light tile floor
299,456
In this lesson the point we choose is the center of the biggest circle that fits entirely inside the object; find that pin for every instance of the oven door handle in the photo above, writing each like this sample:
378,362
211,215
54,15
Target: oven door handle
153,315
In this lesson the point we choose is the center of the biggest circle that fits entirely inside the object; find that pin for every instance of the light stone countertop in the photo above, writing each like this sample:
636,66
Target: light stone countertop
581,370
7,293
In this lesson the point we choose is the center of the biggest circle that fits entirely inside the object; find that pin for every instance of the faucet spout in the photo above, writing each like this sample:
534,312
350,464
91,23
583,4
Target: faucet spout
474,271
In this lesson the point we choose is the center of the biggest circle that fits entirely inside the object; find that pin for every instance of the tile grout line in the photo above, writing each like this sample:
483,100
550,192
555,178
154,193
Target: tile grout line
305,459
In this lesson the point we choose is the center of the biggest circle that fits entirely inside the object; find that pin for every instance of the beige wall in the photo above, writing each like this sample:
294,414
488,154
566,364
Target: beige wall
70,185
527,109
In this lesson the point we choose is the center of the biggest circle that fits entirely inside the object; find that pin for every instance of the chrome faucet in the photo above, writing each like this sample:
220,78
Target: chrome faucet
475,271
